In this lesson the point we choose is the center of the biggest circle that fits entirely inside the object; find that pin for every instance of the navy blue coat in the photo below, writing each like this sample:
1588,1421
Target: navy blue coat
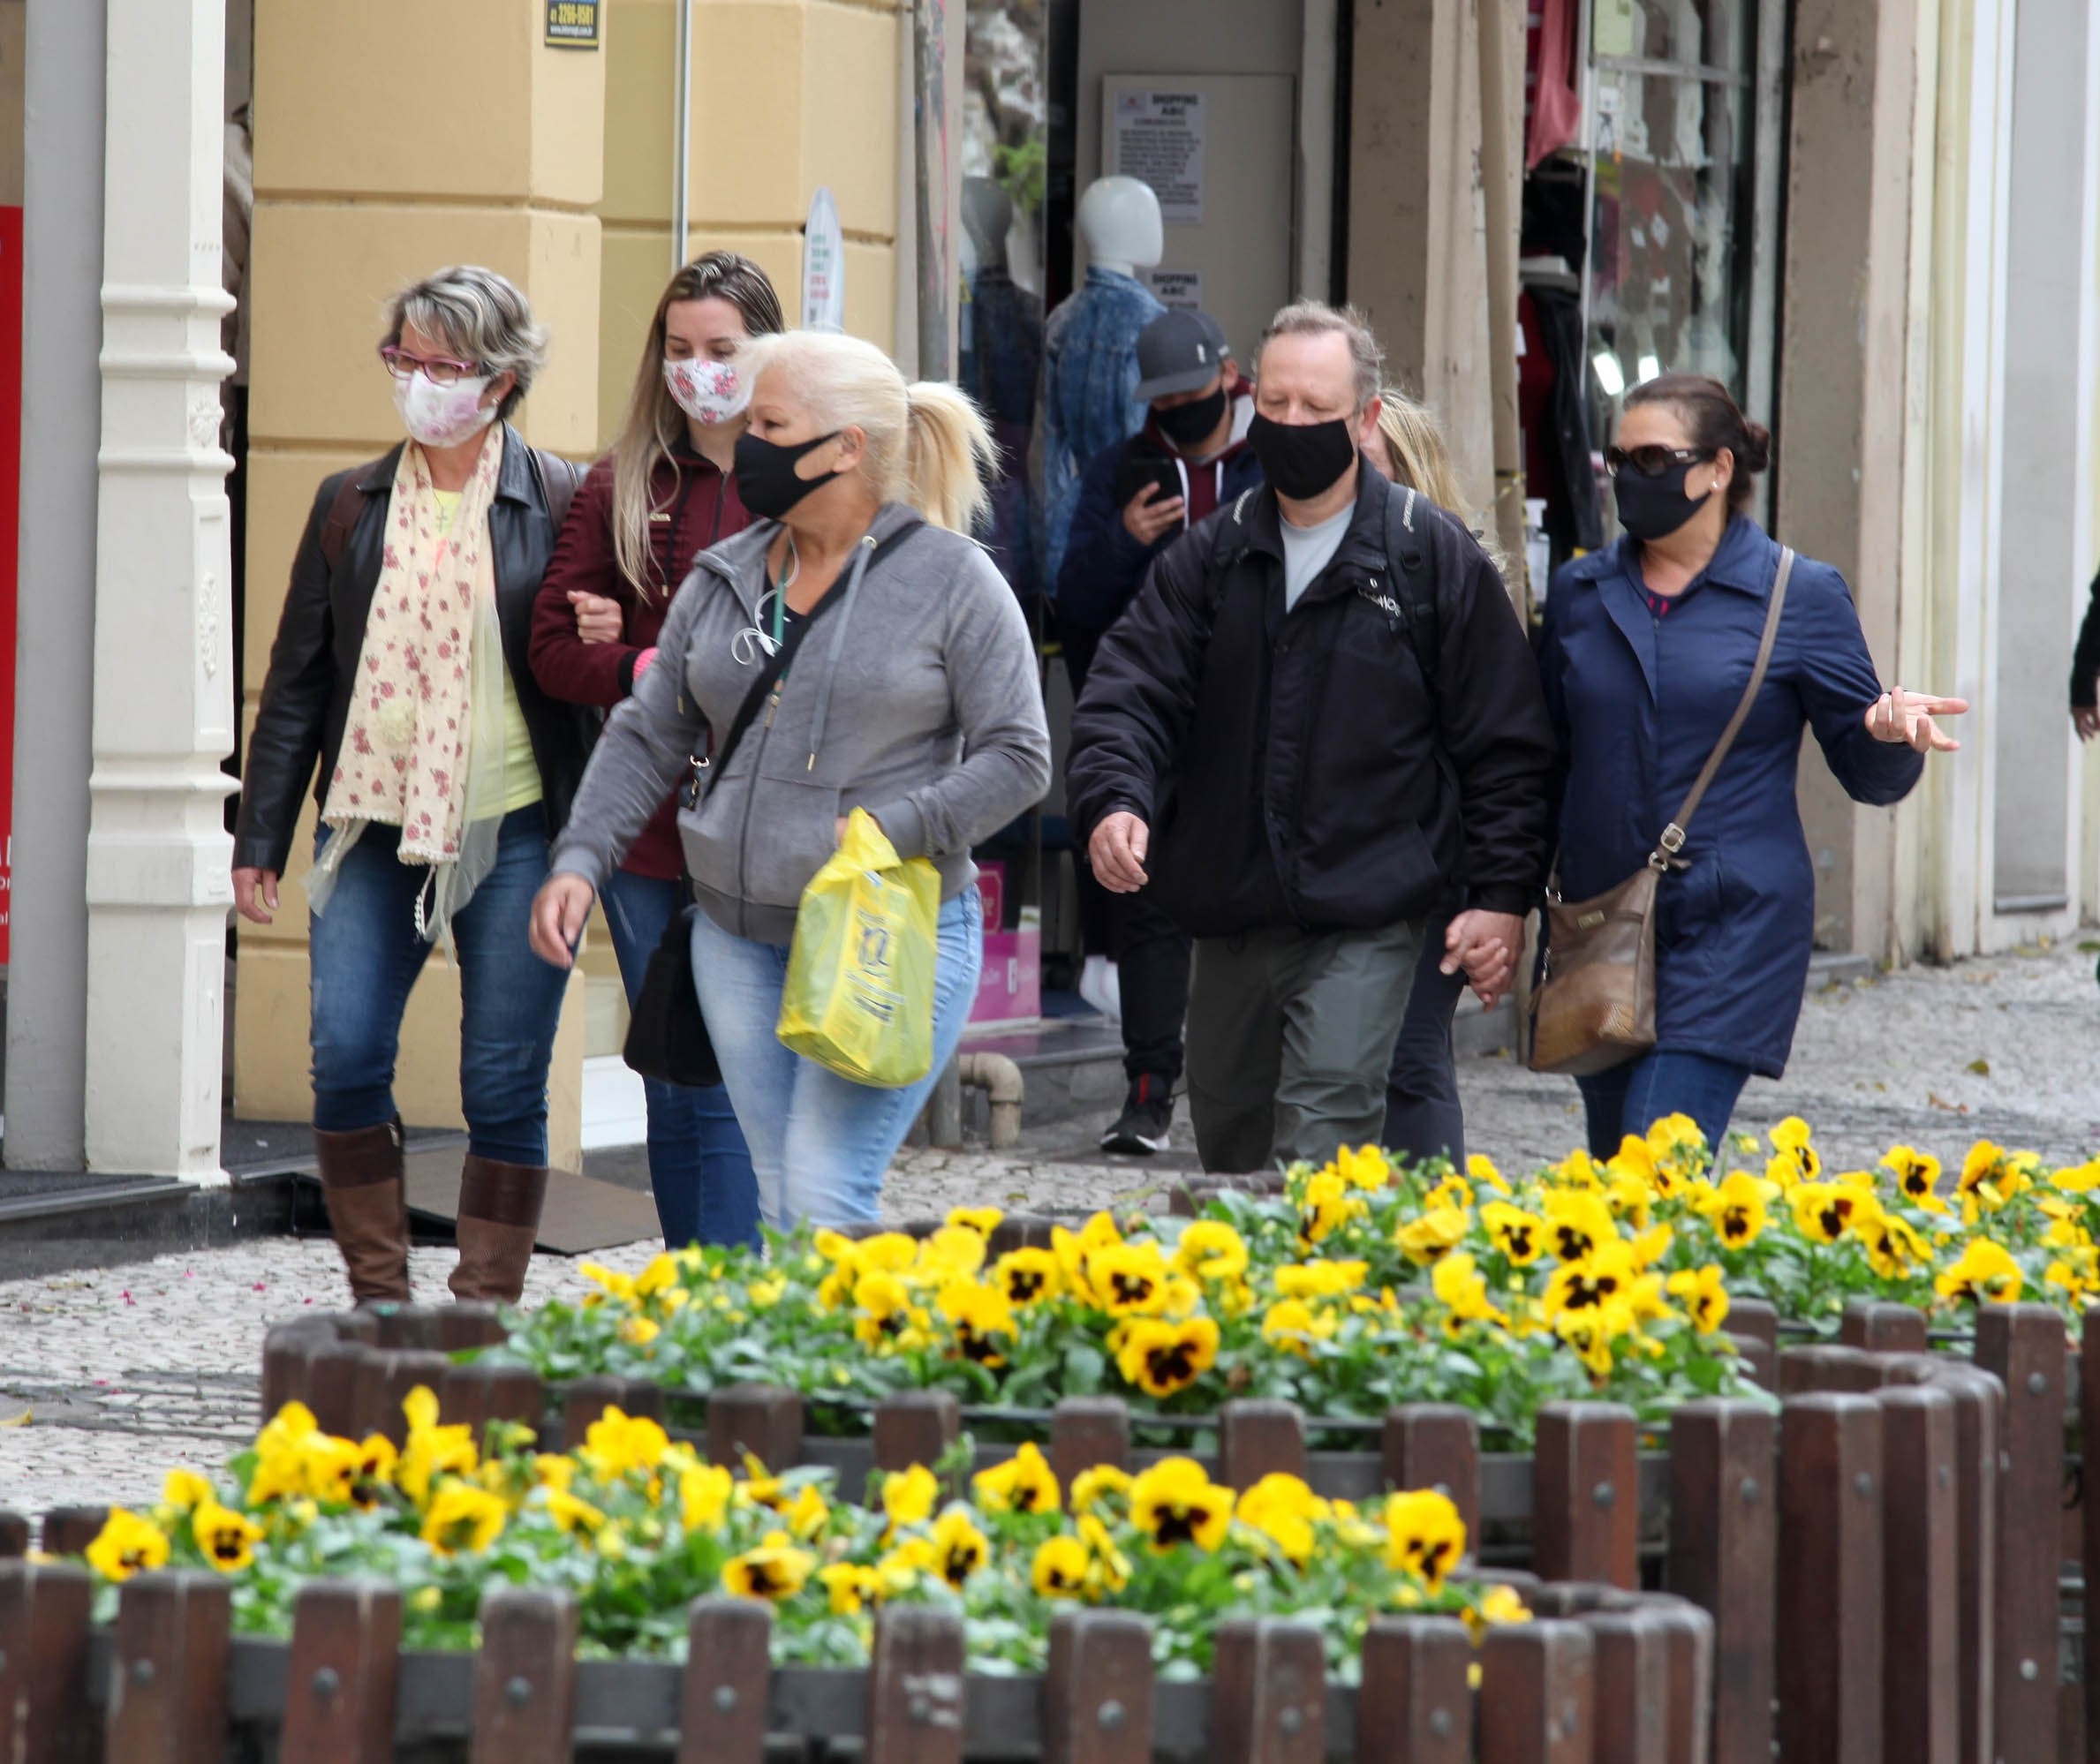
1639,703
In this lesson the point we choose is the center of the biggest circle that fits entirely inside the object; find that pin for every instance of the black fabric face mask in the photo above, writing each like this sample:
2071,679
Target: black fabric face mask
1190,424
1654,507
1302,460
766,481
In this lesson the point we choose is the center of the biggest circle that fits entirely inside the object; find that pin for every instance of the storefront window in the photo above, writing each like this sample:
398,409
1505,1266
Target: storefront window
1670,271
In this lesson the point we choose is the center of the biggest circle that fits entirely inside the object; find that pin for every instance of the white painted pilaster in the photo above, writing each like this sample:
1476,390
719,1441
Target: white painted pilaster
157,853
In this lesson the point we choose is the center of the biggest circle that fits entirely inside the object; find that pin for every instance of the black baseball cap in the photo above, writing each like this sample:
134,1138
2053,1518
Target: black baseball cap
1179,352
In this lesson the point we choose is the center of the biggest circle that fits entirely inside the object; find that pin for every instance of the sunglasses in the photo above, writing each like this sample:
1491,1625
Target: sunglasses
1652,461
444,370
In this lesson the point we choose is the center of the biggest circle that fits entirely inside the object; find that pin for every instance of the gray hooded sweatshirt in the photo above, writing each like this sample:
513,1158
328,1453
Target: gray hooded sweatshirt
915,698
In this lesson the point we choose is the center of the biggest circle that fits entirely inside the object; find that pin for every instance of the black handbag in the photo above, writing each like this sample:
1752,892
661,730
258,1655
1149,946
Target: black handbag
667,1034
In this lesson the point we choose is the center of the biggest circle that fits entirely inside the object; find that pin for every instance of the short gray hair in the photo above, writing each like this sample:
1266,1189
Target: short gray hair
1318,319
483,316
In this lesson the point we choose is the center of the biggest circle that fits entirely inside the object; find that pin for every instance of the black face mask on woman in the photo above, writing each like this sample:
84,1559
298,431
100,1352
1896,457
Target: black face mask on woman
1302,460
1654,507
768,483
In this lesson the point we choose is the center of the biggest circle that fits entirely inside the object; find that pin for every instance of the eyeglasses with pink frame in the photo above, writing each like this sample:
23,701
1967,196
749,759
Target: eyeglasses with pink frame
444,370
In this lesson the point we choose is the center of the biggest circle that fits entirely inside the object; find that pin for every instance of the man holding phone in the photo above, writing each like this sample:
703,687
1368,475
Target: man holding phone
1134,499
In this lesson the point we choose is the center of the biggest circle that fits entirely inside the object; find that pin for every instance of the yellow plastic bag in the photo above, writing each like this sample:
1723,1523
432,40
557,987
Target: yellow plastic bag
859,995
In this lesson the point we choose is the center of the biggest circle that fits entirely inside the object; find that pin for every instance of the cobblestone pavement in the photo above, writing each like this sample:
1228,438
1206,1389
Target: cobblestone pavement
115,1374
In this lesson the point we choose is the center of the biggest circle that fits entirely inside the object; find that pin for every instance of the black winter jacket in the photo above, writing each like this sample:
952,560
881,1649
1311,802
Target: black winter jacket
1290,767
2085,661
306,698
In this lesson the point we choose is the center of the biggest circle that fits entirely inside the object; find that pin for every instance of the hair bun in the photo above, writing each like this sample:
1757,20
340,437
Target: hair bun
1757,447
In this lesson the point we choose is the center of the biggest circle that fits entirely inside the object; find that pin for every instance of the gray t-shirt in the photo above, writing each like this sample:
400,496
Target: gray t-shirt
1309,550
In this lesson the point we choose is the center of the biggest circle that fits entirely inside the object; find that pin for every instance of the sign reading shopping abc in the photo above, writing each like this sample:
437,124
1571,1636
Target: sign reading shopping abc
573,24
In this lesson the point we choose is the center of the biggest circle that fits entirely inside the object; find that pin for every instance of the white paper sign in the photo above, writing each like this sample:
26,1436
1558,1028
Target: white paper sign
1178,289
1159,139
823,266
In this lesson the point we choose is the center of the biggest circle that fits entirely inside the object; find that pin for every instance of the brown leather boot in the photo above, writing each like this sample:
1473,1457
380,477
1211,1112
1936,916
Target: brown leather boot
360,1179
499,1216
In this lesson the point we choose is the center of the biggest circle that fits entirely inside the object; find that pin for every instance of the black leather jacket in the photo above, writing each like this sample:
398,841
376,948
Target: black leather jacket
306,698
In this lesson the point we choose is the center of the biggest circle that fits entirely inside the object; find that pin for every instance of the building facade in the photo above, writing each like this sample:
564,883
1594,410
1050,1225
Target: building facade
1879,219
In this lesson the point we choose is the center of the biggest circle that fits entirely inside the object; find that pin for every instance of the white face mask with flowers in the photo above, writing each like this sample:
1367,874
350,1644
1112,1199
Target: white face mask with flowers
442,416
710,392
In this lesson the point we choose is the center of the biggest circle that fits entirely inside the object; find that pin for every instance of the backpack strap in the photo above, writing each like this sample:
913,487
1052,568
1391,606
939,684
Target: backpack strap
1229,546
1407,555
558,480
345,513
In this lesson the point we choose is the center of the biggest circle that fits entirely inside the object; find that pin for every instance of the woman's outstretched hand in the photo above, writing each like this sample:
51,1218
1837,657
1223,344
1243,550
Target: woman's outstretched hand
1907,717
559,912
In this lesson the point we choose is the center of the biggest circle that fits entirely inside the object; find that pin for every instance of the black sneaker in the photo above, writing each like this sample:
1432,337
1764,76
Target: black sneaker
1143,1125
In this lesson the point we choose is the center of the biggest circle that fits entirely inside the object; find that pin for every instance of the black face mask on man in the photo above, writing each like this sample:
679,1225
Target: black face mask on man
768,483
1655,508
1303,460
1190,424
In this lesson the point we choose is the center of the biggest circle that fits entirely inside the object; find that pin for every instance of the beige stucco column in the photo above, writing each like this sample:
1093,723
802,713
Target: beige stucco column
787,95
391,138
1418,250
1843,389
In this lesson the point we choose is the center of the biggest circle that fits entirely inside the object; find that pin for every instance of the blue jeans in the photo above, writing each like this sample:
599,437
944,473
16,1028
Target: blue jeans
820,1142
1631,1098
366,959
699,1167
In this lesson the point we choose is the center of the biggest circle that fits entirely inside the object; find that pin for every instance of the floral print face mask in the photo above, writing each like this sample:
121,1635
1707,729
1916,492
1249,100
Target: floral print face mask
710,392
442,416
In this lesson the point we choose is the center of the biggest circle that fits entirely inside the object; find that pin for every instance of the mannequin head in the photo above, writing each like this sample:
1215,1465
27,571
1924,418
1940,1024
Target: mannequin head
1119,222
987,217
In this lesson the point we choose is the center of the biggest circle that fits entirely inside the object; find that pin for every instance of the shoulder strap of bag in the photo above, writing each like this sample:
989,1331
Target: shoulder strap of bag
777,666
1672,842
344,513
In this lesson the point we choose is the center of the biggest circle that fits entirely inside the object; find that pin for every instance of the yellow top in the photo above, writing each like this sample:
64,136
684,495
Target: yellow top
521,771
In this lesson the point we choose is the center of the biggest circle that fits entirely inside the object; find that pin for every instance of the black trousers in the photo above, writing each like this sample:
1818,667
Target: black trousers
1423,1116
1152,955
1150,951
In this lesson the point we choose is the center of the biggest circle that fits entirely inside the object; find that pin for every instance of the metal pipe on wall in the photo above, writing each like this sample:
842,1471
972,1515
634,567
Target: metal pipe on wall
682,166
932,183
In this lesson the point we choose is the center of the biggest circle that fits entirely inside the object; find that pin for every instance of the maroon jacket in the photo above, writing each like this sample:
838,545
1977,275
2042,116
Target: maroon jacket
700,509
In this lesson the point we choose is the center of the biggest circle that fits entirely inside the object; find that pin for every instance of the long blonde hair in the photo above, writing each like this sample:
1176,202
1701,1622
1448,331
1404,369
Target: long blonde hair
1416,456
927,445
653,424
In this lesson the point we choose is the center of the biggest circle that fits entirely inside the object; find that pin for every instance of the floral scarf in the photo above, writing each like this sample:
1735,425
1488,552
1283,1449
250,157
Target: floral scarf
410,756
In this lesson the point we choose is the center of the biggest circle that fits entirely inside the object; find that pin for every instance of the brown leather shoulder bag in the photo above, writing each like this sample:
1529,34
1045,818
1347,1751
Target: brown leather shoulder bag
1595,1006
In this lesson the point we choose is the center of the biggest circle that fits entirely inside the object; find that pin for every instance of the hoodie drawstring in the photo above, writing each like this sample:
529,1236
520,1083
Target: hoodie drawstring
862,553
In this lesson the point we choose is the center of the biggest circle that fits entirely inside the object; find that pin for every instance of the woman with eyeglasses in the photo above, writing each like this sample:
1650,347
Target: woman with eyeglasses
444,771
1647,648
665,493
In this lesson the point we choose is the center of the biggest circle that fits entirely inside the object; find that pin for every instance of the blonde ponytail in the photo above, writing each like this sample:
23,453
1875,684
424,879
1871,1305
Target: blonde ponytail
927,447
948,456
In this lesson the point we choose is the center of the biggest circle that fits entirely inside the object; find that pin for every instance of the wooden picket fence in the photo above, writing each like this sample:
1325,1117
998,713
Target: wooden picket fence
170,1684
1906,1508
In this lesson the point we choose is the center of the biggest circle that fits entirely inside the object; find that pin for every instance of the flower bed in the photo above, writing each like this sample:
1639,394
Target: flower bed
1360,1286
636,1526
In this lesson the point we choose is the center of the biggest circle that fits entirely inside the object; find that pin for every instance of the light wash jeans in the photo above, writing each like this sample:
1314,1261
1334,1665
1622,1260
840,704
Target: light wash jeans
820,1142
